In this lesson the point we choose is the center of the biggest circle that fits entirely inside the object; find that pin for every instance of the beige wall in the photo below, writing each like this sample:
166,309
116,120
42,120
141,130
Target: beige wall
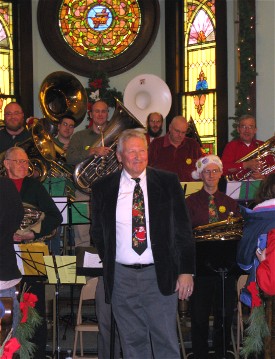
154,63
265,58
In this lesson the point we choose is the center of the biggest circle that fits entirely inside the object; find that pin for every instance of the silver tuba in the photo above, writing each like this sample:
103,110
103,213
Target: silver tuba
95,167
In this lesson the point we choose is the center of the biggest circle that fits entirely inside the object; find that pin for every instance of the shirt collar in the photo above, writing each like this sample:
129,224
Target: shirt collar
127,176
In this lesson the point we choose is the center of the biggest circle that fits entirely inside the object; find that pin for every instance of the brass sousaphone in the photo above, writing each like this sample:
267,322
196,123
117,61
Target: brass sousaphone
95,167
61,94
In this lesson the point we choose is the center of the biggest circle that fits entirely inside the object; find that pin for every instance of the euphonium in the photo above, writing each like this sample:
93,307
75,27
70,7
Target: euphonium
264,154
32,222
229,229
95,167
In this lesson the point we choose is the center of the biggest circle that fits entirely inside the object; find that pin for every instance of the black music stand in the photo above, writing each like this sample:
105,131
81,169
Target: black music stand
30,259
217,258
73,213
57,277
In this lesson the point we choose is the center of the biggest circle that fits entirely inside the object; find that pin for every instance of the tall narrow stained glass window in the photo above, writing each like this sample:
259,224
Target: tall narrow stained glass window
6,55
199,97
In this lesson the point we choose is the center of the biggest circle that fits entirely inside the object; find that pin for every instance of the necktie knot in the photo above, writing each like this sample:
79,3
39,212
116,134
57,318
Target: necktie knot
137,180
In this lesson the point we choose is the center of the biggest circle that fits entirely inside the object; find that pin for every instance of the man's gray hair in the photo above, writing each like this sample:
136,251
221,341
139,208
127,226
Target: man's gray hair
131,133
13,149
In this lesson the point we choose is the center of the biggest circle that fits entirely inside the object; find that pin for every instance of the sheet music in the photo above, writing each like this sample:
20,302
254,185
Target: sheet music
66,266
29,257
92,260
19,260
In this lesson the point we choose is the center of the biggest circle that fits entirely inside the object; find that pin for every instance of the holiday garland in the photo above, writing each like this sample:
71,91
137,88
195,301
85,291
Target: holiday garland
257,328
99,89
247,62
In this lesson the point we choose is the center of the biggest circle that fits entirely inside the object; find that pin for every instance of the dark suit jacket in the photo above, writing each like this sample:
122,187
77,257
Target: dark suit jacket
170,229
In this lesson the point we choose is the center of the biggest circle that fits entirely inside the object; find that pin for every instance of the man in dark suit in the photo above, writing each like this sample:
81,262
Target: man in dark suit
143,287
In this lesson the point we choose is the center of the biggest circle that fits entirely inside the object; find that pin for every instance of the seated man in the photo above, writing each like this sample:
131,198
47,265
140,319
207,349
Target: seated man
241,147
209,205
175,152
32,192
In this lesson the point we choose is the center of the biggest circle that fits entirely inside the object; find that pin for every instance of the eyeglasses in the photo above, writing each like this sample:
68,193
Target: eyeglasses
16,113
244,127
19,162
65,124
213,172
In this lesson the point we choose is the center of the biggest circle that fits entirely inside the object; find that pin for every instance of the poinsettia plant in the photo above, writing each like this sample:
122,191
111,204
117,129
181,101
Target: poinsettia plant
99,89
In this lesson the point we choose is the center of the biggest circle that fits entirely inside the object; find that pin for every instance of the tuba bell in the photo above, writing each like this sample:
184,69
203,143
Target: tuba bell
264,154
61,94
94,167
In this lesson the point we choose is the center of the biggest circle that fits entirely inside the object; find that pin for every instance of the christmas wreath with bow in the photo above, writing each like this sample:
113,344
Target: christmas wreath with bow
99,89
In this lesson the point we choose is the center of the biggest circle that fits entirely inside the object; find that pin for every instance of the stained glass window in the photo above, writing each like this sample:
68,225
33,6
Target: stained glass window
6,55
199,99
100,30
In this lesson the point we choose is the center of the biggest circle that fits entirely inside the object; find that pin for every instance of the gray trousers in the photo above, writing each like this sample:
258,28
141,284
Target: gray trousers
103,313
145,318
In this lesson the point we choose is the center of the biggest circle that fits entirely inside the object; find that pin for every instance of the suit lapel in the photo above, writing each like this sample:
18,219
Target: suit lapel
154,195
111,195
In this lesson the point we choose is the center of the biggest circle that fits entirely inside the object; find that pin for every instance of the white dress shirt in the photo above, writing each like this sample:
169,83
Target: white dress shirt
124,251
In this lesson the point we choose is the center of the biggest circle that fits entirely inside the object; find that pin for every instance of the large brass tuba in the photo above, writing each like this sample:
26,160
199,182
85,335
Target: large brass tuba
94,167
229,229
264,154
61,94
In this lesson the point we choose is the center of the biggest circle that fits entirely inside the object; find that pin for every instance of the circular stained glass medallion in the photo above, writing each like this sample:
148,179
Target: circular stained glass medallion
100,32
89,35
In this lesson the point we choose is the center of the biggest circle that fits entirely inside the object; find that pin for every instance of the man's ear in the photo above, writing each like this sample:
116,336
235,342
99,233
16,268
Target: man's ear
6,164
118,156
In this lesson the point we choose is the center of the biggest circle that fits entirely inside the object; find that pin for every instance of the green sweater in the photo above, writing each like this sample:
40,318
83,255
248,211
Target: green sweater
76,152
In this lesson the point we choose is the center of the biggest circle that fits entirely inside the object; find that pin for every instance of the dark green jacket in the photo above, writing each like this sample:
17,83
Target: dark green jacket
33,192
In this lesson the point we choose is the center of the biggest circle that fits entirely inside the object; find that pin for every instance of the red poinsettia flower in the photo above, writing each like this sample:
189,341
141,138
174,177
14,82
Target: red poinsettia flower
97,83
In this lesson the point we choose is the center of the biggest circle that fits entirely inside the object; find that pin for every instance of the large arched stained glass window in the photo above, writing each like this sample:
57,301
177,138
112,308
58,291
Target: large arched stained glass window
199,98
6,55
100,30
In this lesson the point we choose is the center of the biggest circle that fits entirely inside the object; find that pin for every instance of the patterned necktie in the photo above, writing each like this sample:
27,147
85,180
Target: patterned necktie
213,212
139,241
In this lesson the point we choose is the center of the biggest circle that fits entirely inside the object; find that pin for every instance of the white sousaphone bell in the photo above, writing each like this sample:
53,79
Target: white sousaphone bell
145,94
